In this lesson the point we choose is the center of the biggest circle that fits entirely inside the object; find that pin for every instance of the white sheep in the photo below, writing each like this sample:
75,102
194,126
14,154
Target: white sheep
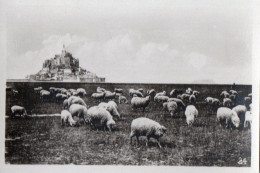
146,127
224,94
209,100
66,117
228,116
109,95
179,102
248,119
191,113
111,108
141,90
77,100
241,111
172,107
151,92
160,94
70,99
161,98
100,90
165,106
138,102
118,90
81,92
79,111
227,102
18,110
99,116
196,93
98,95
175,92
65,104
189,91
136,92
122,99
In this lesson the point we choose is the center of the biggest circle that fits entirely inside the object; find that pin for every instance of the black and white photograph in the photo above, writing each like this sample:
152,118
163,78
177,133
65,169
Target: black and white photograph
129,83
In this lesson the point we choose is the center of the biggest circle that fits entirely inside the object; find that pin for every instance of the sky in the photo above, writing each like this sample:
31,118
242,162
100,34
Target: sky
148,41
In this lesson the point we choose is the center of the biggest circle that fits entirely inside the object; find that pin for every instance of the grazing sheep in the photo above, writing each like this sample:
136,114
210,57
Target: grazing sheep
98,96
233,92
118,90
81,92
175,92
196,93
132,92
75,93
172,107
179,102
160,94
146,127
224,94
161,99
77,100
192,99
184,97
227,102
141,90
66,117
233,98
37,90
45,95
100,116
71,90
111,102
100,90
79,111
241,111
248,119
191,113
70,99
138,102
122,99
18,110
109,95
151,92
15,92
209,100
111,108
189,91
228,116
65,104
63,91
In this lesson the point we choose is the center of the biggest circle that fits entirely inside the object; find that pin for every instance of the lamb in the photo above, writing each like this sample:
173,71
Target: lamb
18,110
248,119
79,111
228,116
172,107
241,111
66,117
227,102
192,99
100,116
161,99
191,113
146,127
98,96
111,108
118,90
122,99
138,102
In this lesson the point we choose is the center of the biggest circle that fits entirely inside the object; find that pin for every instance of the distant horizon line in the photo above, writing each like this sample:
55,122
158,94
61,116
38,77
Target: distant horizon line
53,81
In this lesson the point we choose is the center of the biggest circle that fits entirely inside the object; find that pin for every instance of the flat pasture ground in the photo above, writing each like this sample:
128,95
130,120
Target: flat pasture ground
42,140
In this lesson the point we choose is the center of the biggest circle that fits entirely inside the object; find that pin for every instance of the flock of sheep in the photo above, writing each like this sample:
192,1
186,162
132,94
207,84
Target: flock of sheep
230,113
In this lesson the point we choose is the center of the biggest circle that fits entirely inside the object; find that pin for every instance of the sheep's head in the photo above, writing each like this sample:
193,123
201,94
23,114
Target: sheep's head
235,119
112,109
160,131
111,124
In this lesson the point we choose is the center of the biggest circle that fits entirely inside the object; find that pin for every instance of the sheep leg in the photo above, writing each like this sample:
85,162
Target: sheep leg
158,142
62,123
137,139
147,141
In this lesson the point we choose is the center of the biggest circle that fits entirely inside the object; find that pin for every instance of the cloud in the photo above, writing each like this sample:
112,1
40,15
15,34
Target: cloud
127,58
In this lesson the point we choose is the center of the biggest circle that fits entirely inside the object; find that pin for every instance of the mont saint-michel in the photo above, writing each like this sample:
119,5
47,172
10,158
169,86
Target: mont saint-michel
64,67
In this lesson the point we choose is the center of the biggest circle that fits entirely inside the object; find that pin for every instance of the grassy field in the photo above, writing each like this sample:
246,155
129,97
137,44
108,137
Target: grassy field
42,140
